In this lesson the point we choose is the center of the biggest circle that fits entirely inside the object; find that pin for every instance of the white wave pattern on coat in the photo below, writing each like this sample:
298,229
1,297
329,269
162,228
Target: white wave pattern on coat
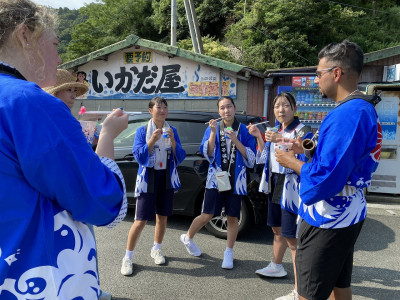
75,276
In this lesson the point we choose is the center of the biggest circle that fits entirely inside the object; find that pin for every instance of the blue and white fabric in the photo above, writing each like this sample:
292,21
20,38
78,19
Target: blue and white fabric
51,185
290,199
241,163
347,154
147,160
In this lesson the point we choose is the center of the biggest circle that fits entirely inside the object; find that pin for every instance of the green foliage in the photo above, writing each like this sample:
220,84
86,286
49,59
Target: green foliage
109,22
211,48
261,34
289,33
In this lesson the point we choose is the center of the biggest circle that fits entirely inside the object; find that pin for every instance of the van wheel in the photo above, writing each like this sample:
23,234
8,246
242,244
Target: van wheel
218,224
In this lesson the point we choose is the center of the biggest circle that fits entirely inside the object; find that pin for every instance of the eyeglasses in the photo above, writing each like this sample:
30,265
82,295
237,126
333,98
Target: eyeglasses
319,73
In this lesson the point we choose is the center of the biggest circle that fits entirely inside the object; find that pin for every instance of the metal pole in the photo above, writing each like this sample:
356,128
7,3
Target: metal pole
196,27
173,22
191,29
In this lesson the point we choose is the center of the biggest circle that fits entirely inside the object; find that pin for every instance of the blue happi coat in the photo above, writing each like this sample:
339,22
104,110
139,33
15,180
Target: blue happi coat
347,154
51,185
240,187
290,199
146,160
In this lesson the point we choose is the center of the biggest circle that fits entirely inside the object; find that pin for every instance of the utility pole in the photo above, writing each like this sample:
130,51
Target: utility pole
173,22
196,27
193,26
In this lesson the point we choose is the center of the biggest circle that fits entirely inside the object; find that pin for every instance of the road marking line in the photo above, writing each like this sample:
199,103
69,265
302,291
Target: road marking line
391,212
383,206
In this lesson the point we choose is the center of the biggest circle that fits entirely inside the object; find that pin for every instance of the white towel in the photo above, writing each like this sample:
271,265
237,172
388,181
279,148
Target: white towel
160,150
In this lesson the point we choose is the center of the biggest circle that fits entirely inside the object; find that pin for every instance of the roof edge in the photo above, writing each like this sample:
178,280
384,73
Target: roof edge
133,40
381,54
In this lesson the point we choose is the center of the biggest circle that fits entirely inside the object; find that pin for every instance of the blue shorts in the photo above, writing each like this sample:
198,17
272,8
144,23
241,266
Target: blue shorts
214,201
278,217
160,202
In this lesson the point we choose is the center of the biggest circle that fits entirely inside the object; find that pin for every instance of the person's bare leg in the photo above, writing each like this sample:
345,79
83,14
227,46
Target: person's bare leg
279,246
233,228
161,227
292,243
198,223
341,294
134,234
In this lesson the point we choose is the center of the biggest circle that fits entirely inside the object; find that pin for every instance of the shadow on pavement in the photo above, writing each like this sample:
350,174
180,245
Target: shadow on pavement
376,276
374,236
255,233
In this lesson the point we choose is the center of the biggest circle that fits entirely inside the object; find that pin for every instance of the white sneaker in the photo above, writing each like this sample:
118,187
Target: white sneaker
272,270
190,246
227,263
126,268
158,256
104,295
291,296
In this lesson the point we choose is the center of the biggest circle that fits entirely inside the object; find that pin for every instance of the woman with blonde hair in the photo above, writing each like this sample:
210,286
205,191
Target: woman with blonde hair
51,182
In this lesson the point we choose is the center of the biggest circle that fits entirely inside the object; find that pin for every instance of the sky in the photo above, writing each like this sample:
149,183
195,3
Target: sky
71,4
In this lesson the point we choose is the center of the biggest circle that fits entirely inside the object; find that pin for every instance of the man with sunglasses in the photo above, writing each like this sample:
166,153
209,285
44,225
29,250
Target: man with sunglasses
332,182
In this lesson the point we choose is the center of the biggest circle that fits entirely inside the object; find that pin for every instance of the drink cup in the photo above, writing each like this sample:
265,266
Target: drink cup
227,130
165,132
273,129
284,146
88,129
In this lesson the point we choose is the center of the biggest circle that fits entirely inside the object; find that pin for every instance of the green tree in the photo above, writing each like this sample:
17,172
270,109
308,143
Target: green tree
289,33
68,19
211,46
109,22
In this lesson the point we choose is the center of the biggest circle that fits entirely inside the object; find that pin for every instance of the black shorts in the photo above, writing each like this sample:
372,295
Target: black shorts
214,201
160,202
324,259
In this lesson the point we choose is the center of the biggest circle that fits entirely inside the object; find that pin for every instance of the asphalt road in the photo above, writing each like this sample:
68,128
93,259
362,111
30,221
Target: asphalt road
376,273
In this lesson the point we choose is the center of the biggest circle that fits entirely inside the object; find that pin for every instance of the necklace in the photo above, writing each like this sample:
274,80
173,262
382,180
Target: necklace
356,90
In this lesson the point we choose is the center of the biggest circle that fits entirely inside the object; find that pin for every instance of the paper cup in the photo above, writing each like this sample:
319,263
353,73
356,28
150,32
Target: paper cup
284,146
88,129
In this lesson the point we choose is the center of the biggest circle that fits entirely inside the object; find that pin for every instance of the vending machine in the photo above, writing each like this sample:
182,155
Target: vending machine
311,107
386,179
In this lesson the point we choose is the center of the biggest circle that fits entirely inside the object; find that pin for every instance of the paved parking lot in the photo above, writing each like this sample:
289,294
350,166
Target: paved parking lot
376,272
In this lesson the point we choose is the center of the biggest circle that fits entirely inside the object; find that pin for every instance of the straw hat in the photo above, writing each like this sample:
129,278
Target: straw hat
65,80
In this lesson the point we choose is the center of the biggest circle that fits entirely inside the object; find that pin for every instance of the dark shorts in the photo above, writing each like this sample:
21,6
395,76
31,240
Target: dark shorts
278,217
160,202
324,259
214,201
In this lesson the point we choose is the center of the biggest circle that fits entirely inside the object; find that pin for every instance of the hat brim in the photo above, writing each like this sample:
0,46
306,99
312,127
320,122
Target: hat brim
81,88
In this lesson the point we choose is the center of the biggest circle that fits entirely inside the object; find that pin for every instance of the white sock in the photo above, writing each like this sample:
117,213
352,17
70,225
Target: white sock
186,239
227,249
278,265
129,254
156,246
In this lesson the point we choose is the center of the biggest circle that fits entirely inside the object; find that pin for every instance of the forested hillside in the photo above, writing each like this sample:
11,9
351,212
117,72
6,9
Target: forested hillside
261,34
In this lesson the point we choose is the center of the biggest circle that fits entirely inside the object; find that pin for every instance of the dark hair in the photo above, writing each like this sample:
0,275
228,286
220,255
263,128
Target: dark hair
157,100
346,55
81,72
225,97
289,97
